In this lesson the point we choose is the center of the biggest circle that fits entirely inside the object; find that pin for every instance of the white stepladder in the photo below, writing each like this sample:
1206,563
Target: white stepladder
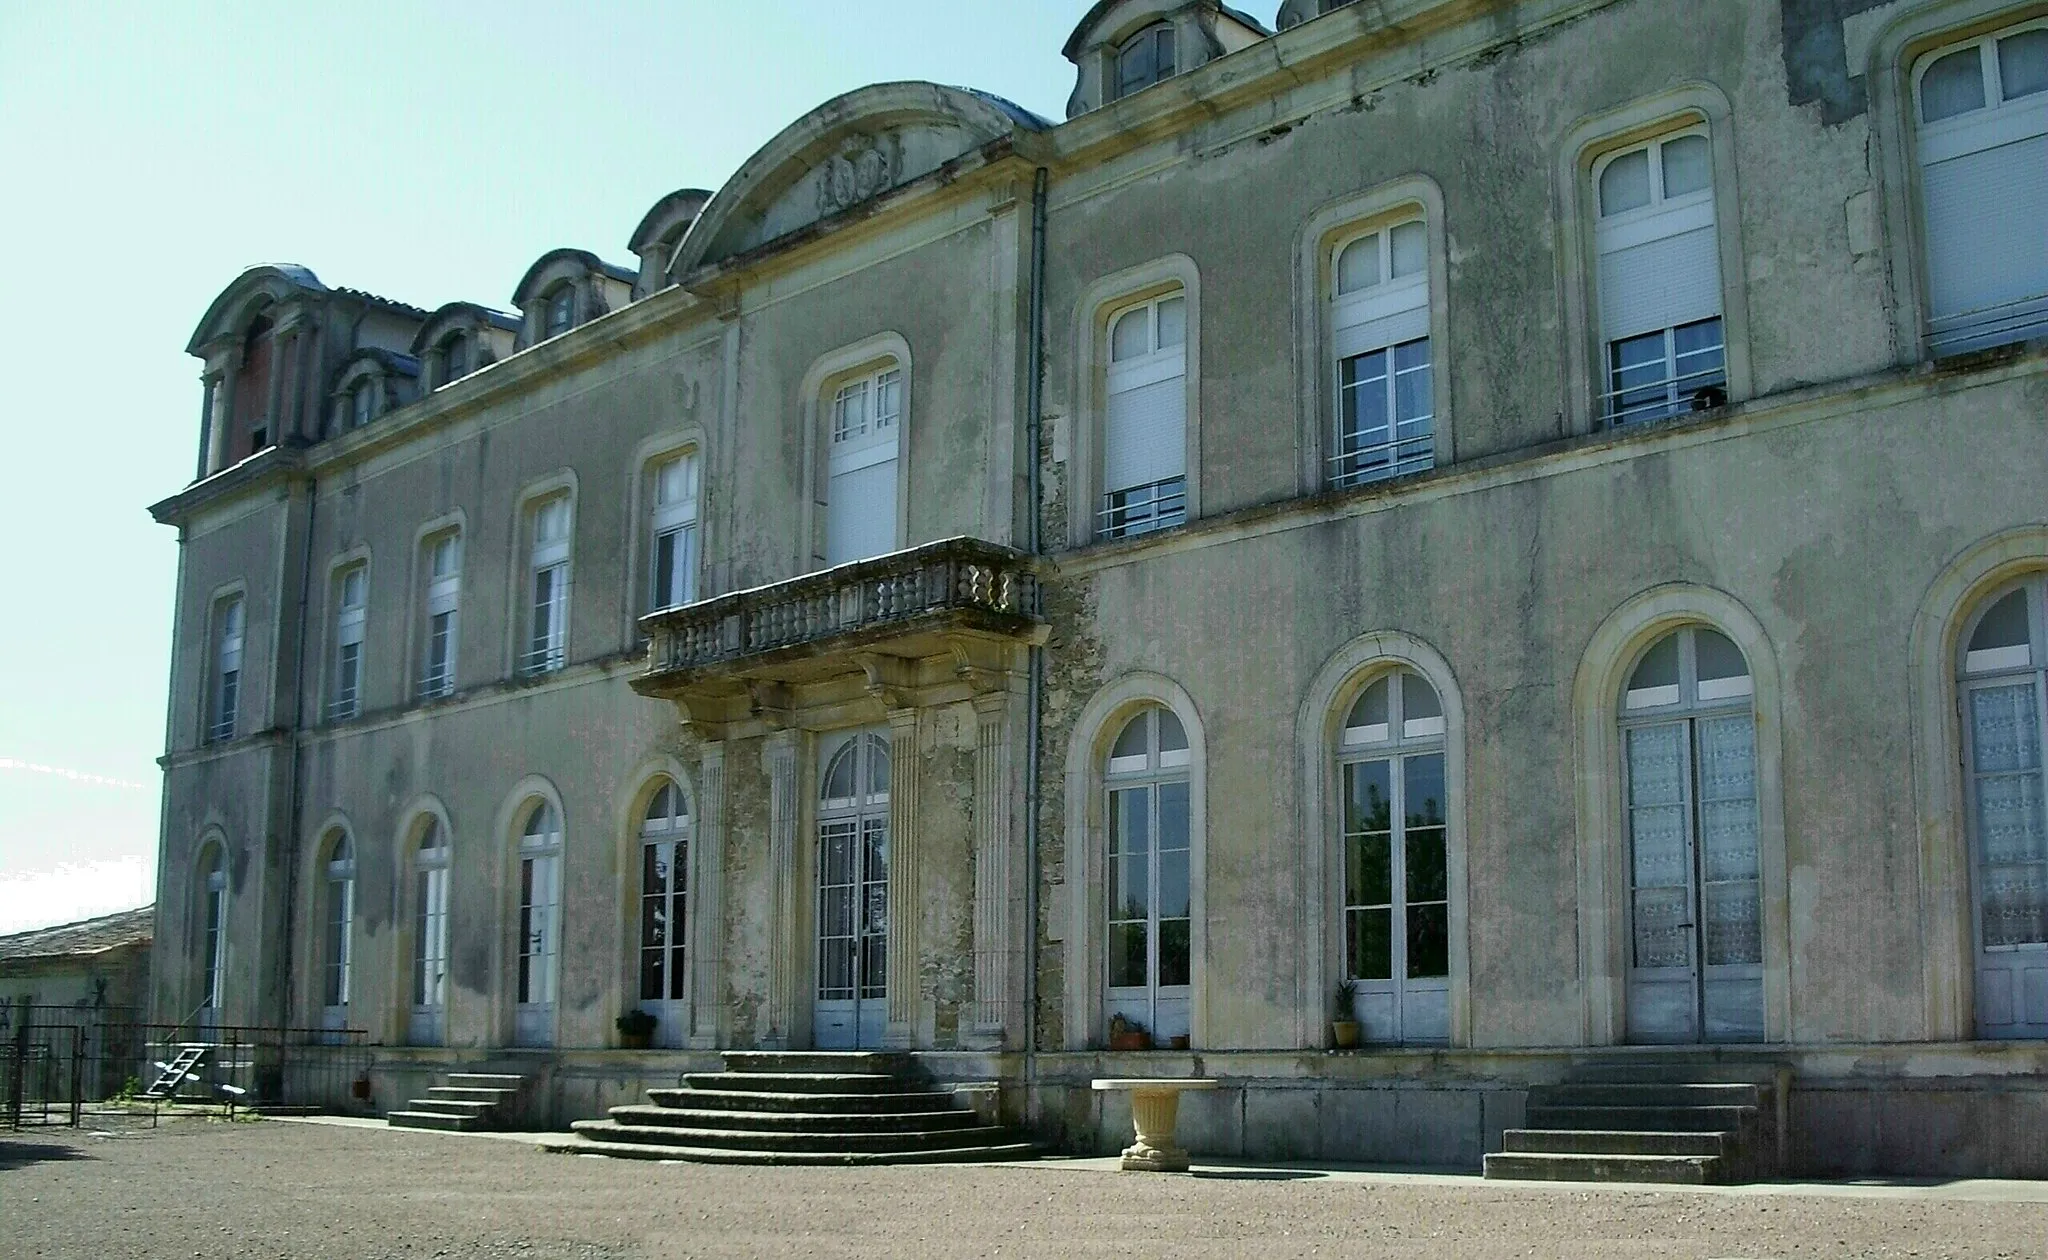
1155,1111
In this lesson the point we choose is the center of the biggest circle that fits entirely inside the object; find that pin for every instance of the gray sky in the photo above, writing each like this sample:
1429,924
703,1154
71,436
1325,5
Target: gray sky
428,152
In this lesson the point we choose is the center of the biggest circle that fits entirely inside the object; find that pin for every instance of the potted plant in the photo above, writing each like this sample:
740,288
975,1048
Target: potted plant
1127,1034
636,1029
1344,1017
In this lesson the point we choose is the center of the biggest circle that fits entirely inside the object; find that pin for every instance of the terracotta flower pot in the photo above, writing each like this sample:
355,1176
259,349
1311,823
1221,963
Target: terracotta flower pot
1139,1040
1345,1034
635,1041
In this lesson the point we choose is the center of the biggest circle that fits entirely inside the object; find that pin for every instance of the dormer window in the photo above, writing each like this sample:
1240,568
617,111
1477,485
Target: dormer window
560,312
362,403
454,358
1145,59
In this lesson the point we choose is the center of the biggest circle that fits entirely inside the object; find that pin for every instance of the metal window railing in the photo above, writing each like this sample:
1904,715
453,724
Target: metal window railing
1142,509
542,658
1702,390
1359,461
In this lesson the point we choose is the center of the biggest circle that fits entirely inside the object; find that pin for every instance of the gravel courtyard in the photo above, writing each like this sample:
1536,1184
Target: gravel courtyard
202,1189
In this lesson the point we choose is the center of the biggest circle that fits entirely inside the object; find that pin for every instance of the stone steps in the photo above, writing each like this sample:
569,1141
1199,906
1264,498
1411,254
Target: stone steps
733,1155
801,1108
468,1102
1680,1121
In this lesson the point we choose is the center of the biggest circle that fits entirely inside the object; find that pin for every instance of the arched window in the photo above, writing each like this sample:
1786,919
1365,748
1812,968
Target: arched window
1145,418
430,936
560,313
338,906
2004,686
1689,765
1664,343
1145,59
540,929
1379,321
1981,125
454,358
852,1004
1150,941
865,441
213,936
1396,871
674,530
664,910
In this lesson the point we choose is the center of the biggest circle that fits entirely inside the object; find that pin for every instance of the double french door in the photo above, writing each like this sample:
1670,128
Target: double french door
851,1007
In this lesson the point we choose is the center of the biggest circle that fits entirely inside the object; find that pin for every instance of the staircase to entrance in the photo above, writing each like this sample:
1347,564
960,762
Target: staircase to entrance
469,1101
1673,1120
800,1108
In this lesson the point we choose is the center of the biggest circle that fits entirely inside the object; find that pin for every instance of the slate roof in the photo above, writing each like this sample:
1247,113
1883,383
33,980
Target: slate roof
83,938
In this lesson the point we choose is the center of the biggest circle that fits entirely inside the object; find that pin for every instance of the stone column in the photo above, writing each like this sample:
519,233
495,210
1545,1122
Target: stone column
211,437
992,845
273,399
707,904
778,751
905,902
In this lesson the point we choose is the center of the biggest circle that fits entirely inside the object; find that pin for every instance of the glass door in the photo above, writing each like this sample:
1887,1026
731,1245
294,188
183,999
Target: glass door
851,1009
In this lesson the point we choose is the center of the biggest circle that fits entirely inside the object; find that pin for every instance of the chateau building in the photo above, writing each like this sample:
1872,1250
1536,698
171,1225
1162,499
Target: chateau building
1533,507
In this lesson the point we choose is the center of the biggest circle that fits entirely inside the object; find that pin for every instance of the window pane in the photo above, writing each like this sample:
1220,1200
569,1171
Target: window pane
1132,742
1625,184
1418,698
888,398
1174,952
1659,667
1413,401
1429,942
1688,166
1410,249
1132,335
1953,85
1426,875
1372,707
1173,884
1172,736
1173,322
2004,626
1368,870
2023,64
1358,267
1368,804
1370,944
1173,818
1718,657
1423,788
1127,955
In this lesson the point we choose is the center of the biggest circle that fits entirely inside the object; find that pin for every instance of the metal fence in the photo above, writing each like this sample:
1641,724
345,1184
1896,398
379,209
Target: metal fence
55,1061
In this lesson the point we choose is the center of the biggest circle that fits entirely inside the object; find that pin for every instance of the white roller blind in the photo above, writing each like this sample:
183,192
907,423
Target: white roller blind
1145,435
1669,279
860,514
1383,315
1987,227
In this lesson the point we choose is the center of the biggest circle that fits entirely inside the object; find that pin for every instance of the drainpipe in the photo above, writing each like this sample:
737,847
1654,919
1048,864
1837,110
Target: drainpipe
292,802
1034,390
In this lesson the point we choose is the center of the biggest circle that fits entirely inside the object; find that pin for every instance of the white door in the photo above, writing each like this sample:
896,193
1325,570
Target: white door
664,915
1695,904
540,929
2005,709
430,940
1149,886
852,1004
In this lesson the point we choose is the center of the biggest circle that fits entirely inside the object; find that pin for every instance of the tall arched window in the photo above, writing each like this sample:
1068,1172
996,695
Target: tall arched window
540,929
1379,325
1689,765
864,440
1150,928
2004,686
1145,418
852,1004
1396,892
338,913
664,910
213,937
430,936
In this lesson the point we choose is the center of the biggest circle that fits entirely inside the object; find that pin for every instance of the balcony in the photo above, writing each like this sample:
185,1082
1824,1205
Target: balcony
930,625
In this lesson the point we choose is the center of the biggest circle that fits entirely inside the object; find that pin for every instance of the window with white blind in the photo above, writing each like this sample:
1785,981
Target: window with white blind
548,617
443,615
227,670
1144,440
864,436
351,588
1662,334
1981,112
674,528
1379,325
1145,59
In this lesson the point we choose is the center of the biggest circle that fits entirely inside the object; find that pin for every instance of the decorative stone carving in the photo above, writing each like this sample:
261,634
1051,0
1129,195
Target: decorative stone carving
862,167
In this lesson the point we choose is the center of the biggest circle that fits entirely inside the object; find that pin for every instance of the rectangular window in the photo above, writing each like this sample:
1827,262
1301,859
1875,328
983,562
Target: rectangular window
227,684
352,589
443,606
1145,453
1660,280
1379,320
675,533
1982,137
548,629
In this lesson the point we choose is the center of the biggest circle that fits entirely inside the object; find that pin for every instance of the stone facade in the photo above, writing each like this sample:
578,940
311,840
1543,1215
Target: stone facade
920,314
